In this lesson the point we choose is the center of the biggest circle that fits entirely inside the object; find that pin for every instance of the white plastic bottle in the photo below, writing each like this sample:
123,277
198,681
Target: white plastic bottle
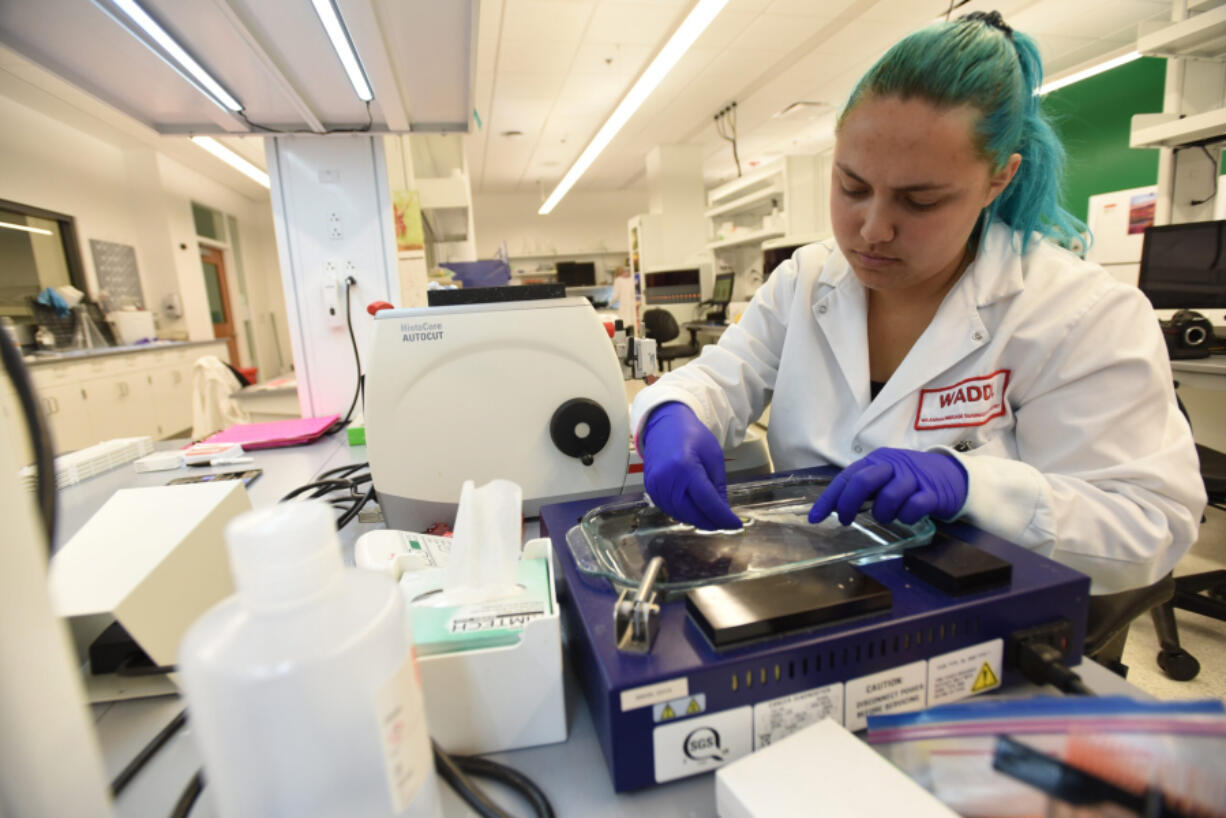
302,688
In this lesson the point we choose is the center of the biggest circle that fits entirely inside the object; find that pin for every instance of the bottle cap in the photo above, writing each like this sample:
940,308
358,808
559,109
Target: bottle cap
283,555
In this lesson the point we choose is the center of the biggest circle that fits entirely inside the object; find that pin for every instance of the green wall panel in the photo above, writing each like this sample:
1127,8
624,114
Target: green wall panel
1094,117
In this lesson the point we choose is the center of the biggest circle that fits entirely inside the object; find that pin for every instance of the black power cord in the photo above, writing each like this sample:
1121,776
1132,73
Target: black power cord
40,435
455,770
1038,654
370,121
187,798
350,283
147,752
1042,663
725,126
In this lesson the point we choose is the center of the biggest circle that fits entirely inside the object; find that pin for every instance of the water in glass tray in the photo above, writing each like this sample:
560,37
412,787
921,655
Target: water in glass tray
615,541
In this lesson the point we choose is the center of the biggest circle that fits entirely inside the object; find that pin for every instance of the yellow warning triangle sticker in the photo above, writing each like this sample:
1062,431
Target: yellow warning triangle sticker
985,679
693,708
667,712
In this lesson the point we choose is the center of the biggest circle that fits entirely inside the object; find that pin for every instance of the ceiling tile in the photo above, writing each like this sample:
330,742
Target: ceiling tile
724,29
642,23
617,59
525,115
546,21
780,32
528,57
828,8
517,85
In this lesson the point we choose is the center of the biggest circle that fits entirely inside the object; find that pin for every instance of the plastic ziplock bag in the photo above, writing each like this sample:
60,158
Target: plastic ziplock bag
1174,747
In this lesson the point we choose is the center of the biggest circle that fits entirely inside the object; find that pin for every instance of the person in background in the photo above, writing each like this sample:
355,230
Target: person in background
944,348
623,299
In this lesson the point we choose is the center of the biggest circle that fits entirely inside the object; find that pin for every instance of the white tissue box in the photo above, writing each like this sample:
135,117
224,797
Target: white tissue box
502,698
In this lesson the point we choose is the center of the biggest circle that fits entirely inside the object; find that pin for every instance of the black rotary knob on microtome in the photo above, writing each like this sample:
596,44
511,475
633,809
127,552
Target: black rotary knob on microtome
580,428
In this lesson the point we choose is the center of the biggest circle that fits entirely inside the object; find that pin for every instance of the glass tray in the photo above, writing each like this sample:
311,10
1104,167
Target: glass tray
617,540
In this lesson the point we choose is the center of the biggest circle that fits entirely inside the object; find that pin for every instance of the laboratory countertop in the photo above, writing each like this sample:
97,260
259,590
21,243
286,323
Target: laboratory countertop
59,356
573,773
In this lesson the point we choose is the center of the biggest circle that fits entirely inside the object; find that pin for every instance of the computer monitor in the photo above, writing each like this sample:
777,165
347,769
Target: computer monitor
721,294
773,256
576,273
1183,266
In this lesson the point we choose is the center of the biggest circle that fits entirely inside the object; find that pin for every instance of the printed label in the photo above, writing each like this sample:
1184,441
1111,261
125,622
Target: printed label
956,675
406,749
646,695
679,708
779,718
434,550
412,333
494,616
972,402
700,744
891,691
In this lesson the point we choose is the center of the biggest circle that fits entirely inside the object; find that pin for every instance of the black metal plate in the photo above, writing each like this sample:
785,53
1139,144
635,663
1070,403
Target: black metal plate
735,612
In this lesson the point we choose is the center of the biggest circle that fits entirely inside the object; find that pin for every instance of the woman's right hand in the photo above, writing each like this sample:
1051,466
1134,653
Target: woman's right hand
683,468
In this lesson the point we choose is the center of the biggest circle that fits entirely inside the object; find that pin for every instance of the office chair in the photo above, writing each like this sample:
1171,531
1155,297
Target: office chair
1203,593
661,327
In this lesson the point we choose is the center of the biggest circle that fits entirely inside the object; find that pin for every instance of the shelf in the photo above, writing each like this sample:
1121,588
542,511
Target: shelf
744,183
1172,131
746,238
747,201
1201,36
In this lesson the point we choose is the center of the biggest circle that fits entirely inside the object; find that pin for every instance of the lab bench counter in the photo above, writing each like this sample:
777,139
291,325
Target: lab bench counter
573,773
60,356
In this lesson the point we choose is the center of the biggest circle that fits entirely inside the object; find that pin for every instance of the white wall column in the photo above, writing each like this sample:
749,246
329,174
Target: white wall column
333,218
675,191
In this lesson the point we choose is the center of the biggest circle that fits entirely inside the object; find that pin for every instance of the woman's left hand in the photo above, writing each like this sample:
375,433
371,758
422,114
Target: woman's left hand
904,484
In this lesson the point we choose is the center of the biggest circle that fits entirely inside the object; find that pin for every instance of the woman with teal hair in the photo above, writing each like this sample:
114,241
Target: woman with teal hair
944,348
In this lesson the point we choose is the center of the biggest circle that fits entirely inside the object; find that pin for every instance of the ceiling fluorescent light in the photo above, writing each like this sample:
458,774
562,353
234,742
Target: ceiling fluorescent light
1114,62
201,78
233,160
343,46
695,23
26,228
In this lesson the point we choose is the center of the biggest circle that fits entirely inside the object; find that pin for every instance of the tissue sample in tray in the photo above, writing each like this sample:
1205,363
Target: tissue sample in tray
615,541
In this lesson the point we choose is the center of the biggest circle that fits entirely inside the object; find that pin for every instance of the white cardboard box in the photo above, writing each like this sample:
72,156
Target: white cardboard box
152,558
503,698
822,771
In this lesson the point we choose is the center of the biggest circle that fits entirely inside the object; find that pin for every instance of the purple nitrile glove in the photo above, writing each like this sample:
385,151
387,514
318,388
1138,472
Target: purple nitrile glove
905,483
683,468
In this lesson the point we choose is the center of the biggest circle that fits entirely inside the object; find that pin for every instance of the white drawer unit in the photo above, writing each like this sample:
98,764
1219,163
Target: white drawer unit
128,394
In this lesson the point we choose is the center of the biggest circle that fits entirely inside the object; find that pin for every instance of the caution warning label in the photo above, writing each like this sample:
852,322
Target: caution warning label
956,675
891,691
779,718
678,708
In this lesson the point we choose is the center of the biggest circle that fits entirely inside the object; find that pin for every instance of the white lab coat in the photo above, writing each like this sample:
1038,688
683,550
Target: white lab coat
1071,438
623,297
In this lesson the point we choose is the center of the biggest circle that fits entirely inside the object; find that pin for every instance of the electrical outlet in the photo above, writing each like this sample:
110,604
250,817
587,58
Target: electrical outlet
334,298
334,226
351,269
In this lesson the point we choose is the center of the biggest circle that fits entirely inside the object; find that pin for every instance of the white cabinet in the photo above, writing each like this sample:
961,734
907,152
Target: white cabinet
785,198
14,422
67,413
128,394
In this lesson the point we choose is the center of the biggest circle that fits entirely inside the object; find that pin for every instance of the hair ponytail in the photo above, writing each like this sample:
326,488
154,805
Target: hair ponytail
979,61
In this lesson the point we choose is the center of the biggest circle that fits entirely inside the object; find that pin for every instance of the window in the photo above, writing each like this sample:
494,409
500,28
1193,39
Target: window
38,249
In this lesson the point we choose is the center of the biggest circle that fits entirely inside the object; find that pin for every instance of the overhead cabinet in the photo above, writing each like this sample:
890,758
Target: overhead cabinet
787,197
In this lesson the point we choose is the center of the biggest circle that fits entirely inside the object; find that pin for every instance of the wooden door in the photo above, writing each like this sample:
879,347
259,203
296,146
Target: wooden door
220,309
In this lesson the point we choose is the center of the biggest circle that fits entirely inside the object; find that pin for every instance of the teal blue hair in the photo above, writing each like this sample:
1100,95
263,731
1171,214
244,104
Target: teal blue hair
971,61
